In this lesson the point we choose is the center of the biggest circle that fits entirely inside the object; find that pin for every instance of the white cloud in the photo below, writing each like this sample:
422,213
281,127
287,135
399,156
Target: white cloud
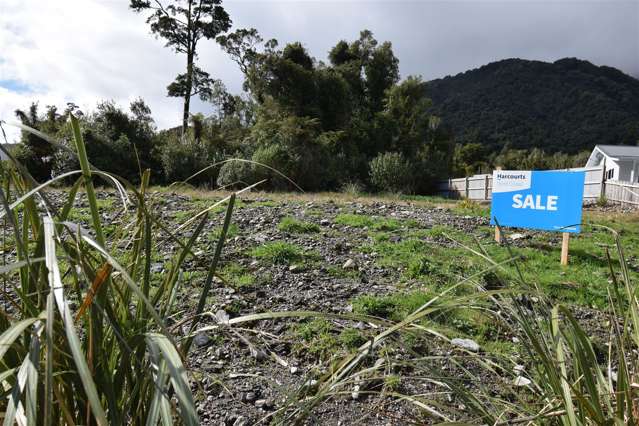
84,51
89,50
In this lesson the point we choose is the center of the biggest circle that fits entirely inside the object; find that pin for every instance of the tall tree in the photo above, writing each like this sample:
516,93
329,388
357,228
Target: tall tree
183,23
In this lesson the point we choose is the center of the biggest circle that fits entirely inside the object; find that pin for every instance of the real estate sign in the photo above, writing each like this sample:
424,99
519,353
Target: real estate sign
546,200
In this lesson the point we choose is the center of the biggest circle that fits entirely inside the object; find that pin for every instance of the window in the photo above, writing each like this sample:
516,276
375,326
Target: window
610,174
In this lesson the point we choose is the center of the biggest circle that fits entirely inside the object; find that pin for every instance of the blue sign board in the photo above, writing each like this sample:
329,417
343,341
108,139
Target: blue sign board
546,200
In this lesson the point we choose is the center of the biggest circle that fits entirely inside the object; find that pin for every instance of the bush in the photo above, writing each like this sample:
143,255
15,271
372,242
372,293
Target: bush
391,172
276,157
182,160
236,174
39,167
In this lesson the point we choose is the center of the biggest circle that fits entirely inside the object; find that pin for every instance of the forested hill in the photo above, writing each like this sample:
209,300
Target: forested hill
568,105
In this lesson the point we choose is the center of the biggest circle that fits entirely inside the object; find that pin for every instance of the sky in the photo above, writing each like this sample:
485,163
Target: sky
85,51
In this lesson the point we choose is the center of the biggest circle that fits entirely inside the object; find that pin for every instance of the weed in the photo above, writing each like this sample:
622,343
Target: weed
352,189
392,382
470,207
279,252
394,307
351,338
233,231
363,221
237,276
602,201
294,226
318,337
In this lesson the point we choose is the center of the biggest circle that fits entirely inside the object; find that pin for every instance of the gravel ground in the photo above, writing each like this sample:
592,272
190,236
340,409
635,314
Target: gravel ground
242,377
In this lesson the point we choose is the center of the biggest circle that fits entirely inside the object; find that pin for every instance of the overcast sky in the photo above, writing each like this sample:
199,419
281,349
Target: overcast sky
88,50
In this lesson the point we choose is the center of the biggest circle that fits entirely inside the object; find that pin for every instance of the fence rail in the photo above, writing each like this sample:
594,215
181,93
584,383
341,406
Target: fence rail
596,186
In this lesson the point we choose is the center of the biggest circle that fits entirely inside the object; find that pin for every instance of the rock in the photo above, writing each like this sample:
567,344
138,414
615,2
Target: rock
467,344
201,339
249,397
395,239
258,354
518,236
294,370
349,264
295,268
355,394
222,317
264,403
241,421
156,268
521,381
325,222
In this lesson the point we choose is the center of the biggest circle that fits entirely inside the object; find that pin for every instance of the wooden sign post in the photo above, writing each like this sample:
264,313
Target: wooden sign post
564,248
497,235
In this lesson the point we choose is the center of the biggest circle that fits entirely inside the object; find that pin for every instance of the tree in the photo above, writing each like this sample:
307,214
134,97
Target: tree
183,23
36,153
241,46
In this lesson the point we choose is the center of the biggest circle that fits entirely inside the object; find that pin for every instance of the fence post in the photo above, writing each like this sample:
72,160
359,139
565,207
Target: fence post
486,187
602,189
467,188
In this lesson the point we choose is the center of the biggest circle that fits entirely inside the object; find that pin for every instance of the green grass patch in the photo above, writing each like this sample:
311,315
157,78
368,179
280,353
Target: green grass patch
394,307
232,232
294,226
351,338
339,272
375,223
468,207
315,337
280,252
237,276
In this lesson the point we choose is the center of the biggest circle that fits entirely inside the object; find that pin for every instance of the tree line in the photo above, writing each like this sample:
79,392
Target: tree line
323,124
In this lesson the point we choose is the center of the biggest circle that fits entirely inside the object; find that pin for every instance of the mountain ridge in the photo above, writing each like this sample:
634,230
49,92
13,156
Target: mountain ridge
567,105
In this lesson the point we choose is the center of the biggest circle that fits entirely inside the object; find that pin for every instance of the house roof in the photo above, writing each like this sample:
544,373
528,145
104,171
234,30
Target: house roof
616,151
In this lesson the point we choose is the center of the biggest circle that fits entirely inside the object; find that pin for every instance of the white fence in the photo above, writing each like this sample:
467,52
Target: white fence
479,187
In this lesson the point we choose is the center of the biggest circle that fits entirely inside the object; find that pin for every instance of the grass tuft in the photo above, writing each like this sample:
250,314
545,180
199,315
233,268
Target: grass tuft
279,252
294,226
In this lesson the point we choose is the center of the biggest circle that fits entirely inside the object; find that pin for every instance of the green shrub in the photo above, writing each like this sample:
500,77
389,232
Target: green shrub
602,201
235,174
274,157
352,188
391,172
182,160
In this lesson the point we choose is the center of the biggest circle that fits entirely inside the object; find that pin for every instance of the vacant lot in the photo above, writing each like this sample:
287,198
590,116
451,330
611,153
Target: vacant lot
343,257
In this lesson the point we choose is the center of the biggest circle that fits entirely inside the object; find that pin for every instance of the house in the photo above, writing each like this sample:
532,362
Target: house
621,161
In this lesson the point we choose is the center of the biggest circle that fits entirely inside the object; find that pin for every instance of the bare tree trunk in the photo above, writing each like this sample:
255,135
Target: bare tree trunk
187,95
190,56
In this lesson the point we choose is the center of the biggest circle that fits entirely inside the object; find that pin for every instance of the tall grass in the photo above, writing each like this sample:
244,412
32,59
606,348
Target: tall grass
574,379
84,338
